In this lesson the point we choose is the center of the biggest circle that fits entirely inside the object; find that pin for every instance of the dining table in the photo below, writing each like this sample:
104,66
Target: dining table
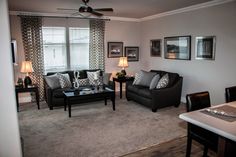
219,119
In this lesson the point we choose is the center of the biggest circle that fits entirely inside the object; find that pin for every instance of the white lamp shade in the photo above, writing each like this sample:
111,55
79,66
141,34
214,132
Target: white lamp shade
26,67
123,62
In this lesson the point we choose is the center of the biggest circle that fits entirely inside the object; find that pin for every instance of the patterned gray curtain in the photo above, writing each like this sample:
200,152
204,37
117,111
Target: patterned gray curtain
96,45
31,28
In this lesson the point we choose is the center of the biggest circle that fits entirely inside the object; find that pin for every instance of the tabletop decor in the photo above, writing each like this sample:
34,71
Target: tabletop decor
76,79
123,63
205,47
27,68
178,47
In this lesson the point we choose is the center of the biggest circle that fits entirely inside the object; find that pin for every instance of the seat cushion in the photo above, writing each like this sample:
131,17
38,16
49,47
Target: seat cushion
140,90
58,93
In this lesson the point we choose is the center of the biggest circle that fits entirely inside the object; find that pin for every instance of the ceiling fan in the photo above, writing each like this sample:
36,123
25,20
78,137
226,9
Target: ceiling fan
85,8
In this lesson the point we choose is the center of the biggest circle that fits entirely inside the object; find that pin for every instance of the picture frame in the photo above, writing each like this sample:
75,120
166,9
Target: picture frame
155,48
177,47
205,47
132,53
114,49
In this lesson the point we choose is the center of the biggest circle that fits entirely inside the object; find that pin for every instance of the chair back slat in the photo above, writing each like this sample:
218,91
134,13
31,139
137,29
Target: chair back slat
230,94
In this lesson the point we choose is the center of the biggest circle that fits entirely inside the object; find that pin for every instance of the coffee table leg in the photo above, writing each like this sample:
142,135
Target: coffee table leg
105,100
65,101
17,102
69,107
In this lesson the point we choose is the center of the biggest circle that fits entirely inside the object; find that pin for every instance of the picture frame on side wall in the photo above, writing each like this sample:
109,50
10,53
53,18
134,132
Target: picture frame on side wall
177,47
155,48
114,49
132,53
205,47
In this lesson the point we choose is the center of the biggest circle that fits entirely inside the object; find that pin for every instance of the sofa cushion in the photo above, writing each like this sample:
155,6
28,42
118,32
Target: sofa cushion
106,78
163,82
52,81
173,77
92,76
83,82
64,80
154,81
144,78
58,93
140,90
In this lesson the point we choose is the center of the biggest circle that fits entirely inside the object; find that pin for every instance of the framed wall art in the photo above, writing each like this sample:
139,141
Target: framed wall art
205,47
155,48
115,49
178,47
132,53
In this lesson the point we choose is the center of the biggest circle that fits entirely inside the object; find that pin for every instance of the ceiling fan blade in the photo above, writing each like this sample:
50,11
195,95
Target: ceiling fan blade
77,13
103,9
67,9
96,13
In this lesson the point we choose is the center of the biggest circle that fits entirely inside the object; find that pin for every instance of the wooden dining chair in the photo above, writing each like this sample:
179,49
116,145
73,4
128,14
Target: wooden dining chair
230,94
196,101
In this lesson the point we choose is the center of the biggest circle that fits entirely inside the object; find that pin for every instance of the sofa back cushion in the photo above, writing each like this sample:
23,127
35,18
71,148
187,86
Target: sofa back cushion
173,77
143,78
52,81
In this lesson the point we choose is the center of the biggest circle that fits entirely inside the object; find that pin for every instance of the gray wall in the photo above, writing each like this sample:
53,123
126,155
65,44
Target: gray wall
199,75
9,136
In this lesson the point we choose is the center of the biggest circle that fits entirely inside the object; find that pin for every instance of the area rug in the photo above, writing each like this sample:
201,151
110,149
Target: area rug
95,130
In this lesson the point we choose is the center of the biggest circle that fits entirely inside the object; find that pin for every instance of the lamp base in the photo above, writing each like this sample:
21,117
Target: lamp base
123,71
27,81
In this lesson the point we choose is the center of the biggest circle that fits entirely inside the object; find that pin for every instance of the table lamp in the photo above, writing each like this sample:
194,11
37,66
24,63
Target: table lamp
123,63
27,68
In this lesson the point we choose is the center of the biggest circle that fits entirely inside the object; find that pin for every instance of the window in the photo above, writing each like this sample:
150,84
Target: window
79,48
62,54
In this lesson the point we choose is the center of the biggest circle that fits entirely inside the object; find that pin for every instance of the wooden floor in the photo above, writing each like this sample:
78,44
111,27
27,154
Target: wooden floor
173,148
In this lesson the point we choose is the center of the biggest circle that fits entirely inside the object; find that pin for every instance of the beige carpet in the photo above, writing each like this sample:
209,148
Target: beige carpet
95,130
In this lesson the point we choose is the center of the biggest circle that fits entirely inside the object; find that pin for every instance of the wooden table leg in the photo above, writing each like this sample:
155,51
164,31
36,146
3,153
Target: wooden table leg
221,147
113,102
120,90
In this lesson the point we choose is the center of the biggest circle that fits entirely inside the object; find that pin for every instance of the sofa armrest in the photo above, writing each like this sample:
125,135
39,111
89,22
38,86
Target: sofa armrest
48,94
111,84
167,96
129,83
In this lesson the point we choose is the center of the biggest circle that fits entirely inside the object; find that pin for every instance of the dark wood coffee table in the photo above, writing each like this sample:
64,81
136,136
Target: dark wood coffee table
80,95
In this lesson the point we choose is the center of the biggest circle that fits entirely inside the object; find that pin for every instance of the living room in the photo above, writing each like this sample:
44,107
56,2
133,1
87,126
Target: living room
211,18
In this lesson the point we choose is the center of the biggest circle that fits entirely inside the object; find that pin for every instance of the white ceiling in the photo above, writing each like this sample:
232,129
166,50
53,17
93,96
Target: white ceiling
122,8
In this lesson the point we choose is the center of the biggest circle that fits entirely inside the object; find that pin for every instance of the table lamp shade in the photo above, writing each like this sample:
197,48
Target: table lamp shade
123,62
26,67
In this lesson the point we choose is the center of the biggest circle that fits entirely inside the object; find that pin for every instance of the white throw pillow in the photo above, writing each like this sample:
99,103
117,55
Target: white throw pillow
92,76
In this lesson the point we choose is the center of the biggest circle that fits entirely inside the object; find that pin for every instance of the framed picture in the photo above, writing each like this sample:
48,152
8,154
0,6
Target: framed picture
205,47
132,53
115,49
178,47
155,48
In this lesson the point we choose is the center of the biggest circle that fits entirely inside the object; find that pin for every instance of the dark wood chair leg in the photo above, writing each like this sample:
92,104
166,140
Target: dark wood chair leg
205,151
189,145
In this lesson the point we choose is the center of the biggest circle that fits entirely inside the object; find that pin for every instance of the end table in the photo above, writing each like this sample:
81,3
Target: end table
122,80
24,90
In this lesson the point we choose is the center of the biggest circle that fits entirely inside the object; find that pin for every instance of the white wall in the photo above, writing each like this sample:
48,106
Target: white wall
199,75
129,34
9,136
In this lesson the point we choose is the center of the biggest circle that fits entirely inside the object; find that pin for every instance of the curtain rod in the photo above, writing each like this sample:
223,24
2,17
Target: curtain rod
65,17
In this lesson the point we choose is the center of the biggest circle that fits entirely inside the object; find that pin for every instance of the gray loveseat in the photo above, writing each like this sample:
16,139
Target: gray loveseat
157,98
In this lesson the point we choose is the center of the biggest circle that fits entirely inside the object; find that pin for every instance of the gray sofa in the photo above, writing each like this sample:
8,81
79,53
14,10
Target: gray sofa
55,97
157,98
